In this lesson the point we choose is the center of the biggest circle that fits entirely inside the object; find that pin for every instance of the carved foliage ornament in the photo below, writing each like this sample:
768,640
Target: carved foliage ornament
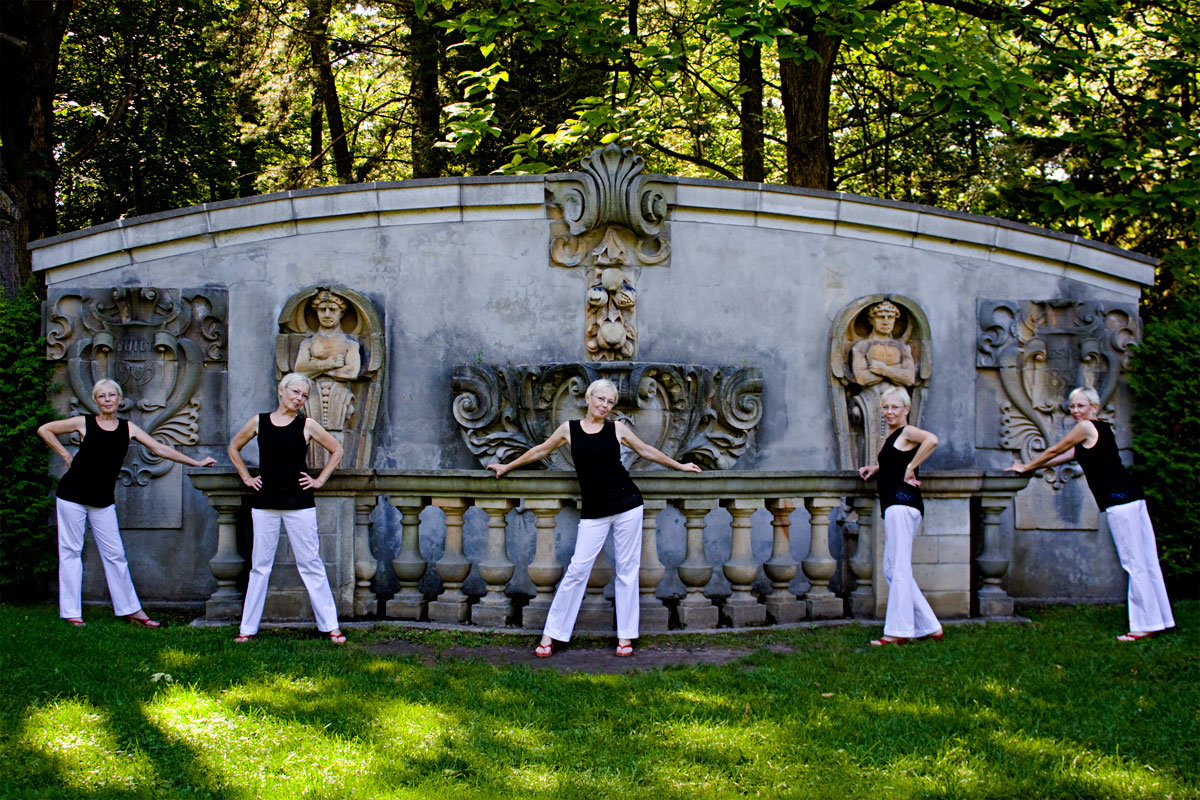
155,343
611,222
1040,351
708,415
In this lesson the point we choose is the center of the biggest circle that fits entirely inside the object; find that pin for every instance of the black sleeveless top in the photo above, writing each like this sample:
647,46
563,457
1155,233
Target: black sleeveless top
1106,475
893,491
92,477
603,482
281,454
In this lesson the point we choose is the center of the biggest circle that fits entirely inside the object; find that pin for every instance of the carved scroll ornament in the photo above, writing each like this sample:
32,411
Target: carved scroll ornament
707,415
610,222
1043,349
155,343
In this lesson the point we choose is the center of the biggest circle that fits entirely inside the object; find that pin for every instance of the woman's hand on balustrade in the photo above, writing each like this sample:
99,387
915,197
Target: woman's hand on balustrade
499,469
866,472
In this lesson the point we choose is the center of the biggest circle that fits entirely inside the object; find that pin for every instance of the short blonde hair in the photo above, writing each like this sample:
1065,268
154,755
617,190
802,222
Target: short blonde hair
1087,393
597,385
294,377
108,383
900,392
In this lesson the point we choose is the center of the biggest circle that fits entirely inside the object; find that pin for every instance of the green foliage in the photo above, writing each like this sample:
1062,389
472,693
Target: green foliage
27,552
1165,378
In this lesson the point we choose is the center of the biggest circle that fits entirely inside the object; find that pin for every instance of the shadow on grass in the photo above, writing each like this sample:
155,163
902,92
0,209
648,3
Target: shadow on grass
1054,709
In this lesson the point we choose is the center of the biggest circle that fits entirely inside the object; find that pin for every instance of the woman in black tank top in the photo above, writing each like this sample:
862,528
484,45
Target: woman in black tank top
86,496
609,500
1092,443
283,495
909,615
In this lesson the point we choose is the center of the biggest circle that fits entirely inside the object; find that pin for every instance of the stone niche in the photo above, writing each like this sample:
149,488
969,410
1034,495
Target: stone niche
1030,354
706,415
876,342
167,348
334,335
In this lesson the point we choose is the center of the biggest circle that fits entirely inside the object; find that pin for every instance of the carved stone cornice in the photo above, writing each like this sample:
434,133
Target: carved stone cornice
708,415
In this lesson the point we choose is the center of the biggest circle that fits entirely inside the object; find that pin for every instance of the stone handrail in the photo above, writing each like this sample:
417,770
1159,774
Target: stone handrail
545,493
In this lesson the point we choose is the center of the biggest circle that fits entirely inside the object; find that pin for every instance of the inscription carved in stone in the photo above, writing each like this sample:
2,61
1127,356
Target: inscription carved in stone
155,342
334,336
1040,350
610,222
708,415
876,342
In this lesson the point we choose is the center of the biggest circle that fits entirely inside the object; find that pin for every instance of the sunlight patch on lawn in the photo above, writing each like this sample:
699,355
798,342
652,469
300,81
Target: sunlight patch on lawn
79,738
536,778
416,728
1093,773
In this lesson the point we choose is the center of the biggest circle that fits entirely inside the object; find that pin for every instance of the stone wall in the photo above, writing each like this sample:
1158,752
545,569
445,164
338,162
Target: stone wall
461,271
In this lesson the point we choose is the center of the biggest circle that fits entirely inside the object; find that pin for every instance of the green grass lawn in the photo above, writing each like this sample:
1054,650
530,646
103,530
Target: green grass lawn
1056,708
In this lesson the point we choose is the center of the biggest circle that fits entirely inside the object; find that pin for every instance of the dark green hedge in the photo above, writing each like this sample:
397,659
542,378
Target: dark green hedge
28,552
1165,377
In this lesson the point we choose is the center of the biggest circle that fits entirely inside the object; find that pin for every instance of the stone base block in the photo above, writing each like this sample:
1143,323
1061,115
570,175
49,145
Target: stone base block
698,616
287,606
996,606
828,606
653,617
491,615
862,606
600,620
405,605
782,611
448,611
741,614
225,608
366,604
533,618
950,604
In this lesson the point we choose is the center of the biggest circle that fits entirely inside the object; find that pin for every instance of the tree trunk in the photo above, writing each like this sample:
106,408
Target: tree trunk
805,93
427,161
316,132
750,78
318,40
31,33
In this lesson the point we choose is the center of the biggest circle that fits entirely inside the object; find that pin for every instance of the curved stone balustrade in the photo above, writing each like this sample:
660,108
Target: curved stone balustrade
345,505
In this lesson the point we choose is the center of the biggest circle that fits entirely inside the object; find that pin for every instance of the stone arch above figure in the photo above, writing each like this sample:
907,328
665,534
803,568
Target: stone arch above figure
876,342
334,335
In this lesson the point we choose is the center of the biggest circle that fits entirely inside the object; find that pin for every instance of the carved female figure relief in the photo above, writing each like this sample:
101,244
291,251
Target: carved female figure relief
325,334
877,342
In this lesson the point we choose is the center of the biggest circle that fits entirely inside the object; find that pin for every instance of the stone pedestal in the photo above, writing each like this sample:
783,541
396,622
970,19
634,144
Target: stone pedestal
366,603
225,604
696,610
408,602
862,563
544,571
742,608
452,605
781,605
993,562
495,608
653,616
819,565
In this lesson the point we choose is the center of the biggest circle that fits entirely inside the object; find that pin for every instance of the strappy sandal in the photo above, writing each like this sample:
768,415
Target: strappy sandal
898,641
145,622
337,637
1135,637
625,650
242,638
544,650
76,621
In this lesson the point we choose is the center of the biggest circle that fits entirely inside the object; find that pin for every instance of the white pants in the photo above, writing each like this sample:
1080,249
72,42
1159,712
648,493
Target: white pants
302,534
1149,609
72,521
589,540
908,612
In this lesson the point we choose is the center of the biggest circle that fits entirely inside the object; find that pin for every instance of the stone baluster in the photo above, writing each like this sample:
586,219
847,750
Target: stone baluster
653,614
365,601
742,608
496,569
227,565
819,565
696,610
544,570
862,563
782,605
993,562
453,567
408,602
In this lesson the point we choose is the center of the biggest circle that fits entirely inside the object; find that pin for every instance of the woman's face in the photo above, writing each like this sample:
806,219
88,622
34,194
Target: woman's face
107,400
894,412
1081,408
601,402
294,395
